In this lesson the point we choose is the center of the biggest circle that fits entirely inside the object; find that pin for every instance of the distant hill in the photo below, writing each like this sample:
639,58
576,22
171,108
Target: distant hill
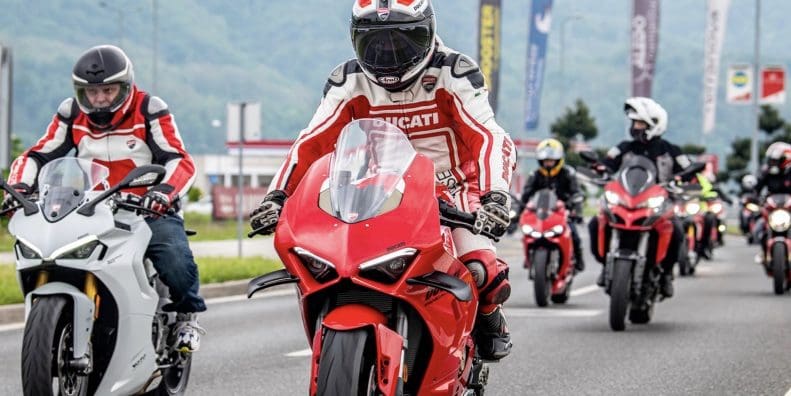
280,52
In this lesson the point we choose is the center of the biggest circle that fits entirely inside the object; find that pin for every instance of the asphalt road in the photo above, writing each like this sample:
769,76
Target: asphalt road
724,333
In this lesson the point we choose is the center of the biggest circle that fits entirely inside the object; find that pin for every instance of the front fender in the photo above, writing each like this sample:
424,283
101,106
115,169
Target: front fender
388,342
82,312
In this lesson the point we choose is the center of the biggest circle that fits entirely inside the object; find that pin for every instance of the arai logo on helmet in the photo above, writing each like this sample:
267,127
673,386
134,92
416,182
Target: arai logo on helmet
387,80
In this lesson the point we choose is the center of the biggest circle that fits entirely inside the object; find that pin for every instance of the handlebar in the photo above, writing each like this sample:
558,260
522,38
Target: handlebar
132,203
455,218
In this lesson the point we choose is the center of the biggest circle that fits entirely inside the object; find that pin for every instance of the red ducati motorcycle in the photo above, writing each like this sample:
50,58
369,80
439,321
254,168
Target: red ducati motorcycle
548,247
688,210
387,307
777,214
637,212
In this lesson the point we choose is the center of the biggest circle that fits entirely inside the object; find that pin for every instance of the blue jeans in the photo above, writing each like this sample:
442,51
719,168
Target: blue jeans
170,252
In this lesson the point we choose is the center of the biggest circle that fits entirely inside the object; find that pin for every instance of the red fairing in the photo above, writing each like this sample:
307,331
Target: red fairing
563,242
448,321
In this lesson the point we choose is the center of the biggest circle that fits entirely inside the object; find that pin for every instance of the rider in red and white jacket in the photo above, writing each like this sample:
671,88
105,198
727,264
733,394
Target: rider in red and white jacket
111,122
439,99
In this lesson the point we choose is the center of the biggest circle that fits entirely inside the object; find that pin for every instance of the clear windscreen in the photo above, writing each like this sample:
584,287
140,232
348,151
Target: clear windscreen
637,173
543,203
63,182
369,161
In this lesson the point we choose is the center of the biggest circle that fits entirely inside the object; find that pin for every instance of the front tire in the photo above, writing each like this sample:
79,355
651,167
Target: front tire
779,265
620,294
347,365
46,347
542,282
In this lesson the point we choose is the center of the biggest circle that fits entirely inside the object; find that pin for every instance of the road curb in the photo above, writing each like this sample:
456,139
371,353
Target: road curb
15,313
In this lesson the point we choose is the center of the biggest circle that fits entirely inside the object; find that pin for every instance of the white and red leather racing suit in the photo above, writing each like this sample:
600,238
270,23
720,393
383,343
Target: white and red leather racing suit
447,117
146,134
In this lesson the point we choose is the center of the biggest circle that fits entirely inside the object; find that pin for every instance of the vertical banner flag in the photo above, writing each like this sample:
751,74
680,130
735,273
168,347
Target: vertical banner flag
739,88
773,80
716,17
489,46
540,22
645,40
6,93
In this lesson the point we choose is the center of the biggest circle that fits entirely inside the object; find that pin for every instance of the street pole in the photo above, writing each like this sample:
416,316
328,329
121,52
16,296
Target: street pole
240,180
754,163
155,50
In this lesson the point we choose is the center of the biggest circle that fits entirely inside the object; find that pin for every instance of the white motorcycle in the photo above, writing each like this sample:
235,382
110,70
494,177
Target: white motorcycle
93,318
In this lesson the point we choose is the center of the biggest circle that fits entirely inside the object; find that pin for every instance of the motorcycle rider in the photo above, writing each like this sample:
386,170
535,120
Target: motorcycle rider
747,190
405,75
776,179
648,123
552,173
112,122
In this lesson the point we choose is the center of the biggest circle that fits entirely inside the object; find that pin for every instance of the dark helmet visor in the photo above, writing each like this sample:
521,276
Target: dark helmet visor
392,50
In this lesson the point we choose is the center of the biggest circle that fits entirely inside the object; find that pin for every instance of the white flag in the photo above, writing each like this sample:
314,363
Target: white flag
716,18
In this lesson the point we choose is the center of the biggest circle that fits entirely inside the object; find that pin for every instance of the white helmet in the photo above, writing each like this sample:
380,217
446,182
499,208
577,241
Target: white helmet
749,182
648,111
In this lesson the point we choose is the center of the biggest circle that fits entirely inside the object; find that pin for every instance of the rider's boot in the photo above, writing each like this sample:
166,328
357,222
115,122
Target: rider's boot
579,261
492,335
666,284
188,332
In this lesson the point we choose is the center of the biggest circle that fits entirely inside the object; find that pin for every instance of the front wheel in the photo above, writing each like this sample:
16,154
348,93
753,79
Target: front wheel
47,347
542,282
779,266
347,365
619,293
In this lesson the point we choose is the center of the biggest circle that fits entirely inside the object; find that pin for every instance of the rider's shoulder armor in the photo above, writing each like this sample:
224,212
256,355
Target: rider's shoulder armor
68,109
154,107
341,74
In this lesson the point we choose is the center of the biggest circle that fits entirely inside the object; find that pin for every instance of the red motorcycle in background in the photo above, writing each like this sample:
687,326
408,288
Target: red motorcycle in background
688,210
387,307
548,247
636,210
777,215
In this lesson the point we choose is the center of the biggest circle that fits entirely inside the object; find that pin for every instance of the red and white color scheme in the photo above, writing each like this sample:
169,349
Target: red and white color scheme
147,135
773,85
384,7
449,120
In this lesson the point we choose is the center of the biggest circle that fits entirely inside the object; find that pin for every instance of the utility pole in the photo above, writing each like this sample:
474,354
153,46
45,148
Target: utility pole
754,163
240,180
155,50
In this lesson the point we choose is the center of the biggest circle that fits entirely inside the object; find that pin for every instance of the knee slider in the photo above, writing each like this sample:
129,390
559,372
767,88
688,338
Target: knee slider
490,275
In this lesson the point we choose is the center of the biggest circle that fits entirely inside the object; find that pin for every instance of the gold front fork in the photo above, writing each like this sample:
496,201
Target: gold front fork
43,278
92,292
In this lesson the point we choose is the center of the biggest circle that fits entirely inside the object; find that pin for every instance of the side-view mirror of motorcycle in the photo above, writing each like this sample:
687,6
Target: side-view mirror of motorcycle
589,175
589,156
695,167
29,207
142,176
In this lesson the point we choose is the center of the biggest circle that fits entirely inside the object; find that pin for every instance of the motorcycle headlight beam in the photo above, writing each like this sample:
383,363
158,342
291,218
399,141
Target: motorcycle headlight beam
79,249
692,208
780,220
27,249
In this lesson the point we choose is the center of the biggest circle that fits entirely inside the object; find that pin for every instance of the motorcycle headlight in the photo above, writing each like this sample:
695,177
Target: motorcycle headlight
526,229
653,202
321,269
752,207
692,208
77,250
390,267
556,230
716,207
612,198
27,250
780,220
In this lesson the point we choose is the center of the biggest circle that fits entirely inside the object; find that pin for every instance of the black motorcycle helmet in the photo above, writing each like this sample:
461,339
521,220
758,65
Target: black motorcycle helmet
100,66
393,39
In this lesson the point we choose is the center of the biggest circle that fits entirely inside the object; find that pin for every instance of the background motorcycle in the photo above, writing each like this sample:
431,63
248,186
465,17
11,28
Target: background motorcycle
777,214
637,210
93,321
514,213
548,247
688,210
387,307
750,212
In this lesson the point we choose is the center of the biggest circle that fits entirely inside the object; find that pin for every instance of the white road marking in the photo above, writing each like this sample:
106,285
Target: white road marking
584,290
242,297
12,326
789,392
301,353
551,313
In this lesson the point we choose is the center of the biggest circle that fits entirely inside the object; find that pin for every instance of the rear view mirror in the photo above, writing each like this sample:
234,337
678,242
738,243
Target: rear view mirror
589,156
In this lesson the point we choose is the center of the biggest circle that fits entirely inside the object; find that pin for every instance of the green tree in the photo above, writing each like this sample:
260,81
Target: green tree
737,161
693,149
194,194
769,121
575,123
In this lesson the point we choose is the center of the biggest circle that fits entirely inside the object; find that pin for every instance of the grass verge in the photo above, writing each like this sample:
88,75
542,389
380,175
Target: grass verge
212,230
211,269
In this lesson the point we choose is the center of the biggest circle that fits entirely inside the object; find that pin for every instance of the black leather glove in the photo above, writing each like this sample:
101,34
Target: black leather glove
158,199
9,201
493,216
264,219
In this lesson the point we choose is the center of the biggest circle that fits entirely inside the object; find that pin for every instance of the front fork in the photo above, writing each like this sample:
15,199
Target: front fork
638,257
